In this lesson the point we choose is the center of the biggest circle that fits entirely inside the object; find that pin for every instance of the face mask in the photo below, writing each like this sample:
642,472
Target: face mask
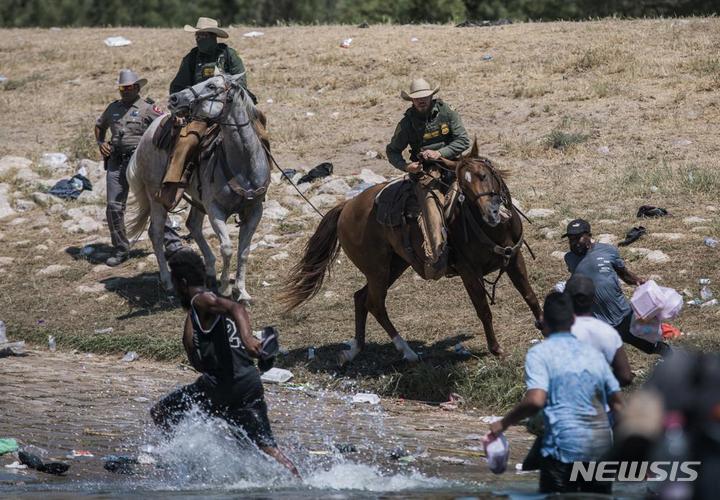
579,249
207,45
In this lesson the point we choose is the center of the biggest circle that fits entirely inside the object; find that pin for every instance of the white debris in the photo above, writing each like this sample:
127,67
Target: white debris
364,397
130,356
490,419
309,113
276,376
414,39
253,34
117,41
269,101
371,154
346,43
603,150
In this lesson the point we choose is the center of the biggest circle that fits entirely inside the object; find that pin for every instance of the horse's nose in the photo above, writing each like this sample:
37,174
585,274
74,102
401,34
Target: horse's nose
173,100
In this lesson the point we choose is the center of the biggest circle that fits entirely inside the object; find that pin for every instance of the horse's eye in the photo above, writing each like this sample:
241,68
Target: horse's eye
482,177
211,87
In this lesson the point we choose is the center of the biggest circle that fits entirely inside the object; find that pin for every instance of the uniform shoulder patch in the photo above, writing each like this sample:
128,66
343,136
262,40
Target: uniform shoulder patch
156,109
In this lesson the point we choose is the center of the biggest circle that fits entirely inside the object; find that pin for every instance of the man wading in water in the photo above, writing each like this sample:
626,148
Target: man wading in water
219,344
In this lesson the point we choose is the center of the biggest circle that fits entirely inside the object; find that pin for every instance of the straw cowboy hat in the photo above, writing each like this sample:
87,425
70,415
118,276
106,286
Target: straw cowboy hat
206,25
129,77
419,88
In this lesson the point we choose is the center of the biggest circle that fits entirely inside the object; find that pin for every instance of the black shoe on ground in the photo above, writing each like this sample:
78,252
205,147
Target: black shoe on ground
117,259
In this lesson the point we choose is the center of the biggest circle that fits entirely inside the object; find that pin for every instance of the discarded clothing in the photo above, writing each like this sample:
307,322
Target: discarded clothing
670,332
8,445
650,211
34,462
322,170
70,189
633,235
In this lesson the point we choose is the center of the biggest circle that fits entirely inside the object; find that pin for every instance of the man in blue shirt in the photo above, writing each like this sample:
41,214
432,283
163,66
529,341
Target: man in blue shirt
603,265
571,382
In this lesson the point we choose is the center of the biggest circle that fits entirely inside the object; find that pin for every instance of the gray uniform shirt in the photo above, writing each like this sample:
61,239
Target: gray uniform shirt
599,265
127,123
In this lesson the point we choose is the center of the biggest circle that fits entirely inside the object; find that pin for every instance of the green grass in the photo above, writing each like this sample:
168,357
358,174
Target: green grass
557,139
669,180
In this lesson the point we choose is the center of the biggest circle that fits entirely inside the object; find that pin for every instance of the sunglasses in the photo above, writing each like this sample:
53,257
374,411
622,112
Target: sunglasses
126,88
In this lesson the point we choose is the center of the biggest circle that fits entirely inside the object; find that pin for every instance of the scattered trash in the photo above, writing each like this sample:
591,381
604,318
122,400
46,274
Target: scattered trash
253,34
650,211
372,154
265,284
117,41
8,445
345,44
102,331
87,250
141,399
603,150
709,303
363,397
311,353
130,356
52,345
711,242
490,419
289,173
453,460
461,350
453,402
654,189
670,332
497,450
705,292
16,465
119,464
269,101
276,376
309,113
3,333
560,286
414,39
79,453
633,235
2,78
345,447
399,452
406,459
35,462
487,57
12,349
70,189
318,172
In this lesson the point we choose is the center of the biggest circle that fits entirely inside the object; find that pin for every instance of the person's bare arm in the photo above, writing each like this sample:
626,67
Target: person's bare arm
616,404
281,458
628,276
533,401
100,139
621,368
218,305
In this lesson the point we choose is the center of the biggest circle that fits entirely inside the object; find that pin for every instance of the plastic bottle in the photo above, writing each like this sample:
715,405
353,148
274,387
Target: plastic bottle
711,242
51,343
311,353
3,337
706,293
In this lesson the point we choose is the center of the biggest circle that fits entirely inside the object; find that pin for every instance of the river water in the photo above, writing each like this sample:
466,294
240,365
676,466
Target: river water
59,402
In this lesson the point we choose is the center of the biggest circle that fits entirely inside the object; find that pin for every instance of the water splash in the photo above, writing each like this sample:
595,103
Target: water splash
363,477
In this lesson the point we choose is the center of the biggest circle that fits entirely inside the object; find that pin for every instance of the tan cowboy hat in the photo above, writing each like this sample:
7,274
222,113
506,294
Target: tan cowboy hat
129,77
419,88
207,25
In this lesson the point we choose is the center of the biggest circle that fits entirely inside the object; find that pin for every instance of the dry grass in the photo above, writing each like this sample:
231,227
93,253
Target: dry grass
639,88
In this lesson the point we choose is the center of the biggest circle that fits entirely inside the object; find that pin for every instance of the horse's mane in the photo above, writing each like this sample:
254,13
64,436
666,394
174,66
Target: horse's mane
256,116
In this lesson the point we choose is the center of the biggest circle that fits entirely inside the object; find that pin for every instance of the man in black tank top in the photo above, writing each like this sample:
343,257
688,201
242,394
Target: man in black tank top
219,344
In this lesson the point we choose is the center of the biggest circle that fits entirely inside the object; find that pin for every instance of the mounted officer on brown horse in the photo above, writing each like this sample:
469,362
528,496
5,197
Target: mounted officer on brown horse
434,132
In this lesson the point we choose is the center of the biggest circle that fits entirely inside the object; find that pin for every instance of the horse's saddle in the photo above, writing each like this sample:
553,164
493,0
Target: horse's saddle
396,203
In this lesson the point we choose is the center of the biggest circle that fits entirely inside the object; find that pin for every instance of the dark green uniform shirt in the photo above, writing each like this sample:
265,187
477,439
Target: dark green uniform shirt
197,67
127,124
441,130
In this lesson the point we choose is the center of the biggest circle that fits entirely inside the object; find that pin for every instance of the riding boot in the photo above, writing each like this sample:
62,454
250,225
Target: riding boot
175,181
432,227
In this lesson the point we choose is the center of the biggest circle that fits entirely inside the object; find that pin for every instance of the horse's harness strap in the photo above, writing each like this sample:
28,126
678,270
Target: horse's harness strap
248,194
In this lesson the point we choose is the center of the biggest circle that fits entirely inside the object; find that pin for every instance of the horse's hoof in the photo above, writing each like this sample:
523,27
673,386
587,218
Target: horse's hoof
344,358
497,351
411,357
241,295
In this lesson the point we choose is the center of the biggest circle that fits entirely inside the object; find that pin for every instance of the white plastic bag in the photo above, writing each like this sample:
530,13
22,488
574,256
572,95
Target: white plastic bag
646,329
497,451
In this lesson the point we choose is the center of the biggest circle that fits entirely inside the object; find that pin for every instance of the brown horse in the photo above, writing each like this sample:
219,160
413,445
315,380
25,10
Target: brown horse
484,234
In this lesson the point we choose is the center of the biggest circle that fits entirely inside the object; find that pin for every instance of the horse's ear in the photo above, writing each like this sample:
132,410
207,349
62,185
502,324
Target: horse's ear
474,151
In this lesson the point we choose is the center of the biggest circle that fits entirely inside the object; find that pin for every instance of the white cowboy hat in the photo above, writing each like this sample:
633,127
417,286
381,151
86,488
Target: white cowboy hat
419,88
129,77
207,25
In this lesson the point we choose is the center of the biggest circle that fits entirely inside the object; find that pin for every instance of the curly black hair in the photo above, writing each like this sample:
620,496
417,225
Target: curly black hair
186,265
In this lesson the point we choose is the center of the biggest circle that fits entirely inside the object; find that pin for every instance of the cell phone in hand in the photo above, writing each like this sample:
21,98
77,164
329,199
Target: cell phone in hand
270,343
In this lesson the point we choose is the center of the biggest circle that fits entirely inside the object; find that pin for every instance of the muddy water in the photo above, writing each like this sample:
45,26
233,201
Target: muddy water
59,402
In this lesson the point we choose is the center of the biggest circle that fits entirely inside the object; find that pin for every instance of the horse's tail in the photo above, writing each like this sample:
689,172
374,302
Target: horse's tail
139,212
306,277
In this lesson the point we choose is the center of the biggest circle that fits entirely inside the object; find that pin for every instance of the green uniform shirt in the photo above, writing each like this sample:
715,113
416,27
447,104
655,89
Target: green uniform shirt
441,130
127,123
197,67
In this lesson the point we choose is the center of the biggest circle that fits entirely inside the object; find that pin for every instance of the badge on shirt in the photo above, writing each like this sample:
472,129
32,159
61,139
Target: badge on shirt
444,128
134,112
208,71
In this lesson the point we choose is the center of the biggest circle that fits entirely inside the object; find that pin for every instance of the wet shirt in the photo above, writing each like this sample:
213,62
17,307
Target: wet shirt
441,130
127,123
198,66
218,351
599,264
598,334
578,383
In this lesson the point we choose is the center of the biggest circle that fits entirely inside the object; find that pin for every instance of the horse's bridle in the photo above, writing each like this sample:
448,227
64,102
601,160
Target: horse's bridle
475,196
225,89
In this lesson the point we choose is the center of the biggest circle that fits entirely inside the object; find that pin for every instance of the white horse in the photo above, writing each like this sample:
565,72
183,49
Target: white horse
232,180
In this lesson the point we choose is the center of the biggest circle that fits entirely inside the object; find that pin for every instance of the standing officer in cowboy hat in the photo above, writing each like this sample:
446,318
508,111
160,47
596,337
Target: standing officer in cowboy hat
197,66
433,130
127,118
